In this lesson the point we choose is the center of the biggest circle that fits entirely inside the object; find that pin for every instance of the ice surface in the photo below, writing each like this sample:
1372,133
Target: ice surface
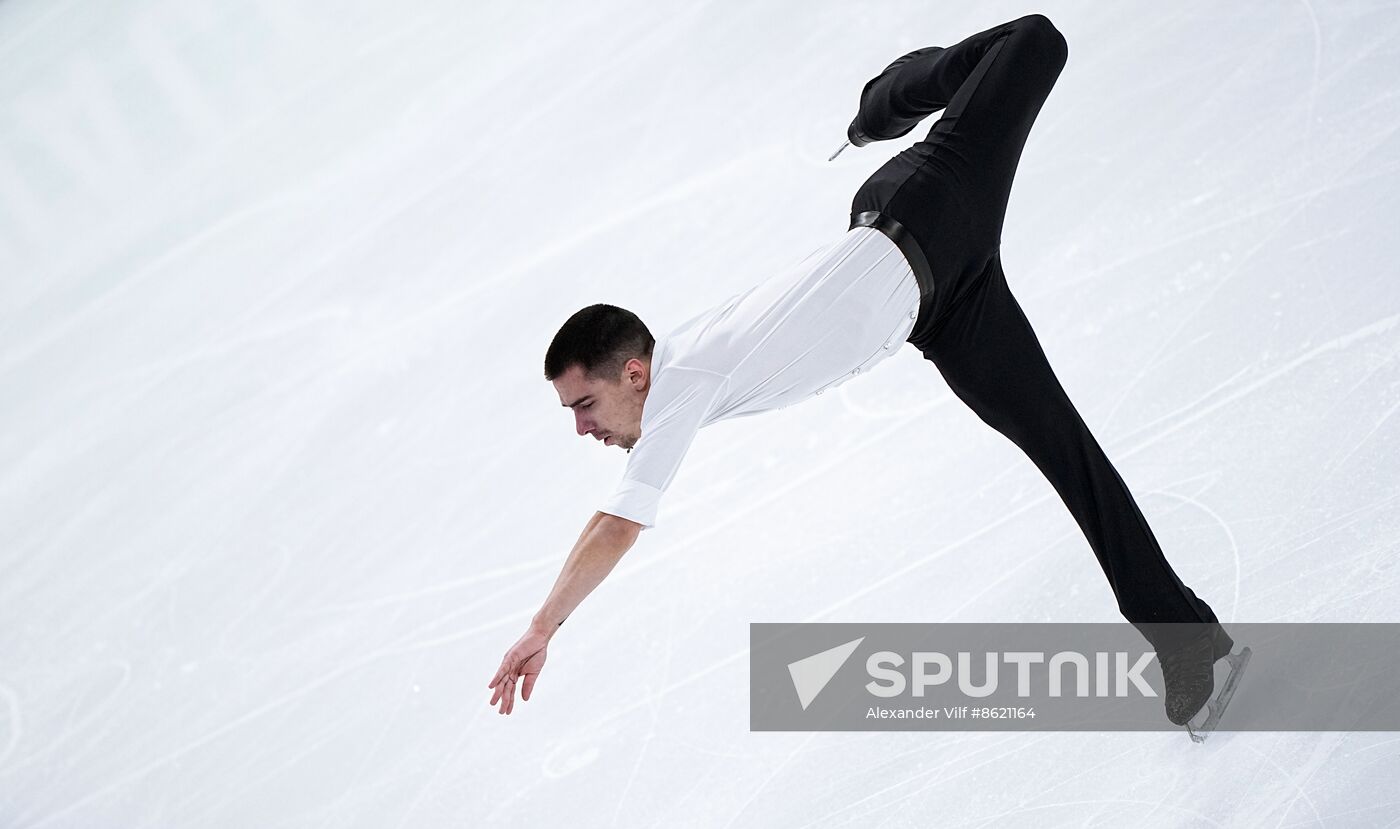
281,479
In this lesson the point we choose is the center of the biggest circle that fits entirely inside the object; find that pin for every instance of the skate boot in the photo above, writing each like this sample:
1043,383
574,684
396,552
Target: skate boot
1189,676
856,134
1189,673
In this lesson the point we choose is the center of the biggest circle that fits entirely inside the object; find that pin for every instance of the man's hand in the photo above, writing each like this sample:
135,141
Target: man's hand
524,661
602,542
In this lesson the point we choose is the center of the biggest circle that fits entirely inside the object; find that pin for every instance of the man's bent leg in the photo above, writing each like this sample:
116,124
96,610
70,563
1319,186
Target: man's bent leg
993,361
991,87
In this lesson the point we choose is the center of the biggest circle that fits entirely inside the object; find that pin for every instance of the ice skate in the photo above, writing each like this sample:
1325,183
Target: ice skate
856,135
1189,675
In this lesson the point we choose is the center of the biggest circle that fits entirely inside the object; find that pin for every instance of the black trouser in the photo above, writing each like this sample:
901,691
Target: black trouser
949,194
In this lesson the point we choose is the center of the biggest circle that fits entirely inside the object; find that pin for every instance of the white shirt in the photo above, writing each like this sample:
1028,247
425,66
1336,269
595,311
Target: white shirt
846,307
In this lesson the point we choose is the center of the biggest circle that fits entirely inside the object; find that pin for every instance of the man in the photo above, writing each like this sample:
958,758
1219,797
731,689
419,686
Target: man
920,264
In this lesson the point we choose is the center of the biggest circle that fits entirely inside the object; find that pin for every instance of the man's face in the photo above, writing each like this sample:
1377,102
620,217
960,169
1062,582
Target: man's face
609,410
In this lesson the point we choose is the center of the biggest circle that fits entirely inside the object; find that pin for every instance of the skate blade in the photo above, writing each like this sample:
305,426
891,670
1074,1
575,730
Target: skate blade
1216,707
838,151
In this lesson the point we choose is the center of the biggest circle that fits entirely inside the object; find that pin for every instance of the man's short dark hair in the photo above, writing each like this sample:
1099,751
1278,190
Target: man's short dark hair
601,338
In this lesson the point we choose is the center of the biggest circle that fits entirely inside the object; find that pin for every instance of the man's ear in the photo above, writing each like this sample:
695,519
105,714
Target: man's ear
636,372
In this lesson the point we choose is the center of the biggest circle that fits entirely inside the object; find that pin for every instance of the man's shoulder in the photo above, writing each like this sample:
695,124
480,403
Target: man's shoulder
689,362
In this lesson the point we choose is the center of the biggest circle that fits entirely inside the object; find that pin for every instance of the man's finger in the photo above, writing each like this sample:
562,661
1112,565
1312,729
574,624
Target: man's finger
501,672
528,686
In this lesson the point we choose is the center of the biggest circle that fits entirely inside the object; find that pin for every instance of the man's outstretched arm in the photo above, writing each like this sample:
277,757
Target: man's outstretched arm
598,549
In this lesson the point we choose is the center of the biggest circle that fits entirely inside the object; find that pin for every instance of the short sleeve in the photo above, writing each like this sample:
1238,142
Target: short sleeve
676,407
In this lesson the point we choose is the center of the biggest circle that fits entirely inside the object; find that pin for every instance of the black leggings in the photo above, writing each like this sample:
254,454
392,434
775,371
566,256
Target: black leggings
949,194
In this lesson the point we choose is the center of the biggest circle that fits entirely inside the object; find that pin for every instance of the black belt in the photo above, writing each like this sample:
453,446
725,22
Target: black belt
906,243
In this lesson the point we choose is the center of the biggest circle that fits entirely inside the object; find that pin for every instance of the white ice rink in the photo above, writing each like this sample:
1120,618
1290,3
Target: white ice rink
281,478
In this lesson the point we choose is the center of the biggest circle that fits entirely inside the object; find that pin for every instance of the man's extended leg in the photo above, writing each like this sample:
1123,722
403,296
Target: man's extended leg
993,361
